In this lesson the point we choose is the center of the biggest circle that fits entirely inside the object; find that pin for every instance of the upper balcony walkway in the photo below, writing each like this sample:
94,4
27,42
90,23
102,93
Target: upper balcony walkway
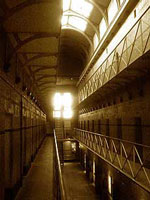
131,159
133,46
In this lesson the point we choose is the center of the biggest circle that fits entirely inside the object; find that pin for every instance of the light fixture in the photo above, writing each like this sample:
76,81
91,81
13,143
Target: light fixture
109,184
73,145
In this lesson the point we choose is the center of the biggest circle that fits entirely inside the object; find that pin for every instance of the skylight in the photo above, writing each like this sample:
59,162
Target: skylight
81,7
78,23
66,5
64,20
74,21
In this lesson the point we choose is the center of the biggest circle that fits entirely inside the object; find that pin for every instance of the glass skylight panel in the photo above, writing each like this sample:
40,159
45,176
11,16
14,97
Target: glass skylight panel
78,23
64,20
66,5
82,7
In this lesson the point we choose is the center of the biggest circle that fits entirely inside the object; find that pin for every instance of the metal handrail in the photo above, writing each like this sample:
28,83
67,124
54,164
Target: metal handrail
132,159
121,40
100,75
114,138
62,195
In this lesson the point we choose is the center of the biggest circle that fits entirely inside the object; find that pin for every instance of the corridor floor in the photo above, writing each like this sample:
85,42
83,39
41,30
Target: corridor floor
38,184
76,183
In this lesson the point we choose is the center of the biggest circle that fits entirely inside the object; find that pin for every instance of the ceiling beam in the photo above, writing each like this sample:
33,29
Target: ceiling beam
34,37
37,57
45,76
44,83
23,5
43,68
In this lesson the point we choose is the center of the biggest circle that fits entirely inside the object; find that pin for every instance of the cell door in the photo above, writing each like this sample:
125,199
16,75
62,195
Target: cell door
8,151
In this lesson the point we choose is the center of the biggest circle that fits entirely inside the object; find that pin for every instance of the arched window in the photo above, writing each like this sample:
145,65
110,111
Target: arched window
95,41
102,27
112,10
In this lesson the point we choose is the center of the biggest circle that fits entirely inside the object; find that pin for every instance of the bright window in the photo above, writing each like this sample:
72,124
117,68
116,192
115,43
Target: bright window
95,41
56,114
67,100
66,5
82,7
62,105
57,101
67,114
78,23
103,27
112,10
121,1
64,20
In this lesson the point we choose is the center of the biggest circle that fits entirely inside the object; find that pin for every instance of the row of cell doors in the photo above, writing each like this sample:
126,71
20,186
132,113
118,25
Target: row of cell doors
96,126
18,150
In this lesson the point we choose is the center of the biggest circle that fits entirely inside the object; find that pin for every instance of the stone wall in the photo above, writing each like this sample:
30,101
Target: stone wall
22,124
125,112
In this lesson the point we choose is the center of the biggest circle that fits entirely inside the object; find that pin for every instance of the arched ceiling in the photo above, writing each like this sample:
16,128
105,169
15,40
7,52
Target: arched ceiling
75,43
74,51
53,55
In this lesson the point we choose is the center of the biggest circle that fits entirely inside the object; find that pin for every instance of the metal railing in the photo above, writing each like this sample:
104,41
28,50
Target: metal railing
135,44
59,188
130,158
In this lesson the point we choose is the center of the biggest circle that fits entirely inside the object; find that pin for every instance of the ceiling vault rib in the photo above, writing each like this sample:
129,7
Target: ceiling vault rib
23,5
35,57
41,53
49,82
76,29
46,76
101,9
74,14
43,68
34,37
